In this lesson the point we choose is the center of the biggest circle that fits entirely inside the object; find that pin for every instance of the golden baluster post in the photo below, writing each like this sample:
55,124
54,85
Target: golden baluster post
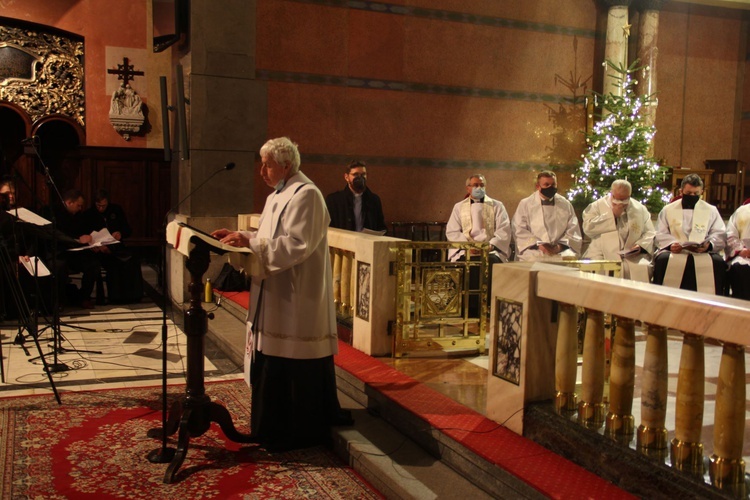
687,448
337,278
591,406
726,467
566,358
652,433
352,285
346,280
620,421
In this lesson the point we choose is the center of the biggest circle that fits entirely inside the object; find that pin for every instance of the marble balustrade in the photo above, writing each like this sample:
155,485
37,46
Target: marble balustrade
549,297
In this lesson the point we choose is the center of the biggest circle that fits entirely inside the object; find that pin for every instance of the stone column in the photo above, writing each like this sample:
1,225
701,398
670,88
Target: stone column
591,407
648,34
619,424
566,358
727,468
616,45
652,433
687,448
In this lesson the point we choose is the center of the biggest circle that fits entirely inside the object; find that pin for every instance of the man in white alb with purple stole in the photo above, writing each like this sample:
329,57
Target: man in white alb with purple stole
689,236
545,225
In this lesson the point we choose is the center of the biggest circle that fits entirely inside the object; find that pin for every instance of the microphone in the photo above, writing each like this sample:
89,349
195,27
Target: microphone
228,166
30,140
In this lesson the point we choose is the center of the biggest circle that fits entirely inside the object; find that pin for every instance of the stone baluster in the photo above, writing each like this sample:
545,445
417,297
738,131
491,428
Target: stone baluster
652,433
337,277
566,358
726,467
353,285
687,448
620,421
591,406
346,281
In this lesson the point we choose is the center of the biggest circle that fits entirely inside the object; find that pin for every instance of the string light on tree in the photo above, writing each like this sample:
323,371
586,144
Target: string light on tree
618,148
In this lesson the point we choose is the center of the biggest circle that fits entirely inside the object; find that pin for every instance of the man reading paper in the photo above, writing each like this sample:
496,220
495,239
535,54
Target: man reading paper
689,236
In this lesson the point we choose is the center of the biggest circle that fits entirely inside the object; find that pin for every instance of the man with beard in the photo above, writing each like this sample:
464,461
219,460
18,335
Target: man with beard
356,207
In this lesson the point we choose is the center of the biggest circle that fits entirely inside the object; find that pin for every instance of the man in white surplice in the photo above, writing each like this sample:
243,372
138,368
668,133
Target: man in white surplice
689,236
620,228
545,225
738,252
479,218
291,323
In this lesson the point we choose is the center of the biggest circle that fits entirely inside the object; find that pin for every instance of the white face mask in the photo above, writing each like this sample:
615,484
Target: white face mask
477,193
619,202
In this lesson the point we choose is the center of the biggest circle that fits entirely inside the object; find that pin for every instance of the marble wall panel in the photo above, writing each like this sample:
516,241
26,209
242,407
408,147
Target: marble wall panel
301,37
671,67
339,120
491,57
573,13
376,45
711,88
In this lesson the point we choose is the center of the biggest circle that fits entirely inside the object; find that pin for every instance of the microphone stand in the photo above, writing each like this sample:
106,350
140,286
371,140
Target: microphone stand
165,454
55,366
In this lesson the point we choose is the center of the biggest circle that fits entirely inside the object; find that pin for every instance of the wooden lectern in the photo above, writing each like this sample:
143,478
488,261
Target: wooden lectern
193,414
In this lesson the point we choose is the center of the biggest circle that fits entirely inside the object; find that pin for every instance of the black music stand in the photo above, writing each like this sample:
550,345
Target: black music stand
193,414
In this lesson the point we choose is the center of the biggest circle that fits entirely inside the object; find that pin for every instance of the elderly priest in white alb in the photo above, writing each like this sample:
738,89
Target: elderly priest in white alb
689,236
620,228
545,225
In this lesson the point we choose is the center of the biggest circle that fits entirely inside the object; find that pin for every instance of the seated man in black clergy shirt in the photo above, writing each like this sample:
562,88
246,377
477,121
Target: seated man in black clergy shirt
355,207
124,277
69,220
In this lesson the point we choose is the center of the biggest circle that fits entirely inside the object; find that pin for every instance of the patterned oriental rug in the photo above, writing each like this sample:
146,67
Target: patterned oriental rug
95,445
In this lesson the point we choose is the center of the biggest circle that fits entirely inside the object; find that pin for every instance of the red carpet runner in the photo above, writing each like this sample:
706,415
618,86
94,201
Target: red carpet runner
94,446
549,473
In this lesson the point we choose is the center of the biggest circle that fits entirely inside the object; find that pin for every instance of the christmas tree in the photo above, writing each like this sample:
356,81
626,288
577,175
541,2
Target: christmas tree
619,147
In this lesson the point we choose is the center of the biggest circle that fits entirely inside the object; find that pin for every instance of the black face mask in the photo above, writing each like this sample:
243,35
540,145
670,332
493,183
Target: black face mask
689,201
359,183
549,192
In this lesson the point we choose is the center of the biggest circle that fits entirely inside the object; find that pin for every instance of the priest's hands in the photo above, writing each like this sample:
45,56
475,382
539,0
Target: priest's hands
231,238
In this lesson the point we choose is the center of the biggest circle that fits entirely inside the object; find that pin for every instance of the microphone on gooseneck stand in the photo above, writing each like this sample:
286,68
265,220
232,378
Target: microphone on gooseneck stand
228,166
31,140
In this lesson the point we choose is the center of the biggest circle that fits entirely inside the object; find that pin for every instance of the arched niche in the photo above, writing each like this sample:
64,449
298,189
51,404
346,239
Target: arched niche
56,148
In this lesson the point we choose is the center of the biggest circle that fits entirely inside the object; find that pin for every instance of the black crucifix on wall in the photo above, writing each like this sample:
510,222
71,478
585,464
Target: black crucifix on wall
125,71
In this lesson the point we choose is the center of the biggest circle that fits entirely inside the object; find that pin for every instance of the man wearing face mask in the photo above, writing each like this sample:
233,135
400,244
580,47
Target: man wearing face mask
689,235
620,228
545,224
356,207
481,219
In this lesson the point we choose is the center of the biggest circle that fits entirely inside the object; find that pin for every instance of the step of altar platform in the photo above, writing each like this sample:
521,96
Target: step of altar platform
412,442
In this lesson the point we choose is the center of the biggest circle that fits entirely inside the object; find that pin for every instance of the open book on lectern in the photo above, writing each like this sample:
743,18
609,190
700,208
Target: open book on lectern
179,235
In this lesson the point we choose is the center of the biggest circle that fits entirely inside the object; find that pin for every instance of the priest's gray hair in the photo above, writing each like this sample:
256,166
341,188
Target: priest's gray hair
477,176
622,186
283,151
